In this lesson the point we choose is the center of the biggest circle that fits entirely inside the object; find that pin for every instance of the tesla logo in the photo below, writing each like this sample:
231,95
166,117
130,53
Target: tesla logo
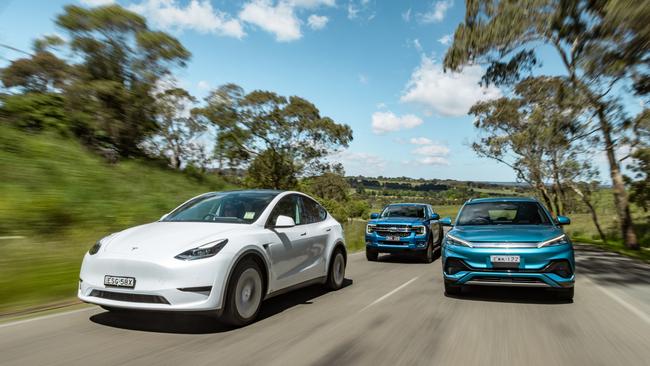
134,248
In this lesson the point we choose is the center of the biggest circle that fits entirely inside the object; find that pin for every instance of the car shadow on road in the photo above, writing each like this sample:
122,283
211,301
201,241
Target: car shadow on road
183,323
520,295
405,258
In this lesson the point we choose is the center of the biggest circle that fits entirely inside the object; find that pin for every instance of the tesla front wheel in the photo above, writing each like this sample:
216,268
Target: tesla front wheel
336,272
244,294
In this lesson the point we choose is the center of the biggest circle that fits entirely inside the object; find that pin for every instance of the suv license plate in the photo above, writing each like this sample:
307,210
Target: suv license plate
504,258
115,281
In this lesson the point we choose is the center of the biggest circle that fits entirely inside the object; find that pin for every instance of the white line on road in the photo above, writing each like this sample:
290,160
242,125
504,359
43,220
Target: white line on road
18,322
622,302
390,293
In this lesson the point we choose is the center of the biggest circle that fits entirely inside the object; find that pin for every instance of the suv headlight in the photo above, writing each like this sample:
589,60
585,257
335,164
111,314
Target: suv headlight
370,228
562,239
452,240
98,245
419,230
204,251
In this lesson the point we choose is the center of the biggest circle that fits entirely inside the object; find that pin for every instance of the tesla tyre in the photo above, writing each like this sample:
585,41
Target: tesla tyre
244,294
336,272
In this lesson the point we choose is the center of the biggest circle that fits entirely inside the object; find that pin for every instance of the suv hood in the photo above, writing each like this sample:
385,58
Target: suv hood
397,221
506,233
165,239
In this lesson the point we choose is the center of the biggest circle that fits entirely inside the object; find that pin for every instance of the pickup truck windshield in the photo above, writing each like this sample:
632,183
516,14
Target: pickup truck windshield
404,211
503,213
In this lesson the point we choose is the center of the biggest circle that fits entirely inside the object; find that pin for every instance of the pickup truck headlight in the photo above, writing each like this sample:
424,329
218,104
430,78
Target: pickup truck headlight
370,228
204,251
452,240
419,230
562,239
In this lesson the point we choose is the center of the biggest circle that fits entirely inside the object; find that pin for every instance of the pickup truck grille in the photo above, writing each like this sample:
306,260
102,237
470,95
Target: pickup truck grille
401,234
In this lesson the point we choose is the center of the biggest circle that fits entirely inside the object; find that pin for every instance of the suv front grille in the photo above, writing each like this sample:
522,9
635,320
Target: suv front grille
120,296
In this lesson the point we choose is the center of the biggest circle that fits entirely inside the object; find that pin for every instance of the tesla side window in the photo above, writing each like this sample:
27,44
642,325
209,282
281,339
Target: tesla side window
503,213
235,207
313,212
287,206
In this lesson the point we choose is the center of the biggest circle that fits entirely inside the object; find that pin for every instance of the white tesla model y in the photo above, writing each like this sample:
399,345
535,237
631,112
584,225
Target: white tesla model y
220,252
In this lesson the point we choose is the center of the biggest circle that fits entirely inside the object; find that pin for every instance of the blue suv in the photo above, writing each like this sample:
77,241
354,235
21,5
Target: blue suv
404,228
508,242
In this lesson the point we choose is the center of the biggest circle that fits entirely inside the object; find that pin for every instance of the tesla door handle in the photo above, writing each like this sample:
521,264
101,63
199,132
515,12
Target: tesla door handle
328,229
303,234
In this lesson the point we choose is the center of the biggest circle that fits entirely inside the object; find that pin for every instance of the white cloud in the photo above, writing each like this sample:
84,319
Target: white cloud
433,160
387,121
198,15
417,45
317,21
203,85
279,19
310,4
450,93
97,2
362,163
437,12
360,9
446,39
406,16
431,150
420,141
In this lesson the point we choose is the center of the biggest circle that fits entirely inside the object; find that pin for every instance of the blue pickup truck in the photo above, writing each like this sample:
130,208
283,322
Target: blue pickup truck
404,228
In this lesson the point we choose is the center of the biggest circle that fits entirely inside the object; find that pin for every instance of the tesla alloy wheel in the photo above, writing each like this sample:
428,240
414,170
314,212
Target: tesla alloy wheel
244,294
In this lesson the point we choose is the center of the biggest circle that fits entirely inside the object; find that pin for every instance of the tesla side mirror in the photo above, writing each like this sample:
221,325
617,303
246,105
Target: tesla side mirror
284,221
435,216
563,220
374,215
446,221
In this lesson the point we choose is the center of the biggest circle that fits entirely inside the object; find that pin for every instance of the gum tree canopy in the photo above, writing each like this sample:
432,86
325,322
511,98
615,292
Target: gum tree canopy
604,46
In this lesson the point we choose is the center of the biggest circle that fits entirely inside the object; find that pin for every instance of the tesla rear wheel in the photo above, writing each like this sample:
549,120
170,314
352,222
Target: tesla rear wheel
372,255
452,290
244,294
336,272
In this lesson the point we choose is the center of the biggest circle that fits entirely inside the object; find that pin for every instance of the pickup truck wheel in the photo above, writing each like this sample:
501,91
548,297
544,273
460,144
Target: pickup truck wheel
372,255
428,254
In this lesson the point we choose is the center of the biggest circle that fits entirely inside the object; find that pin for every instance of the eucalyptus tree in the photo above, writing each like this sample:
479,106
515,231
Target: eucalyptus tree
277,138
602,45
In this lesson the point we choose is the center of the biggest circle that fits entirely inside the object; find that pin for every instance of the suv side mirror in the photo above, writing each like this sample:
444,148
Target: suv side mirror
563,220
284,221
435,216
374,215
445,221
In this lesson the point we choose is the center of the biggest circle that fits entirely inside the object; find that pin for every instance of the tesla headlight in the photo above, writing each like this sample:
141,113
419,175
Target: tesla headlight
204,251
419,230
452,240
98,245
370,228
562,239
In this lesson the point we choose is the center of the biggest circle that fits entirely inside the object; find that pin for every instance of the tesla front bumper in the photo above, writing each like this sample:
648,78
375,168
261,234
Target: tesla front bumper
551,266
173,285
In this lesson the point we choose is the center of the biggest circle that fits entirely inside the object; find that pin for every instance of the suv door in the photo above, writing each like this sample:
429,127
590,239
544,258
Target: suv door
318,232
288,247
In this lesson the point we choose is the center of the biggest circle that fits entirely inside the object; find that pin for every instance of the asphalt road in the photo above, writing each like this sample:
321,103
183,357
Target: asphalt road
391,312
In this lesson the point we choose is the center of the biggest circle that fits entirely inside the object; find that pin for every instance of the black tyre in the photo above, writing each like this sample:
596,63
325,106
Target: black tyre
451,289
336,272
565,294
245,294
372,255
427,256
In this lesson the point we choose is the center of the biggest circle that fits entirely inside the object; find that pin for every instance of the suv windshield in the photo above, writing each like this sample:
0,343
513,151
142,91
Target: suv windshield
403,211
231,207
503,213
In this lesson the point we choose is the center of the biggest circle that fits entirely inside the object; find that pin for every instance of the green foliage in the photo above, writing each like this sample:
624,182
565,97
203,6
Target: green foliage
40,73
35,111
261,126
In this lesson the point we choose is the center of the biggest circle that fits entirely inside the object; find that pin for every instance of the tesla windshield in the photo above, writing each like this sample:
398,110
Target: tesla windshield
503,213
403,211
233,207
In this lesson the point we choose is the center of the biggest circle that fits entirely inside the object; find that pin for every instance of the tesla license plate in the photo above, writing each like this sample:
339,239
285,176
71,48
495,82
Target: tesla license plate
505,261
115,281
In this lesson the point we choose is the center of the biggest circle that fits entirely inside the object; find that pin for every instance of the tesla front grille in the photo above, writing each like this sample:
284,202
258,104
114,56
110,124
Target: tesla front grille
120,296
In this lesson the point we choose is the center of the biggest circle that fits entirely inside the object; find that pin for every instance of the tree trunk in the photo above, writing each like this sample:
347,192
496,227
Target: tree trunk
560,199
547,197
594,215
618,187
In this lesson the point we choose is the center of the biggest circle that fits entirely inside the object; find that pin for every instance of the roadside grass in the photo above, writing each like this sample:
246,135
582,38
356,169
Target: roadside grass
355,234
58,199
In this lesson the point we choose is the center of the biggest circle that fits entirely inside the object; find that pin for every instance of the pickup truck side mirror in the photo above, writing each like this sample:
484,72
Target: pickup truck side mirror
435,216
445,221
374,215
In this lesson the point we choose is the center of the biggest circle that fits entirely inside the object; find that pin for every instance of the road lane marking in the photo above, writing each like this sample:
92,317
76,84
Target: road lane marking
19,322
633,309
390,293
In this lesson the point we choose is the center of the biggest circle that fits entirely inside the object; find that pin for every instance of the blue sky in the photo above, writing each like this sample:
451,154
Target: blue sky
374,65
